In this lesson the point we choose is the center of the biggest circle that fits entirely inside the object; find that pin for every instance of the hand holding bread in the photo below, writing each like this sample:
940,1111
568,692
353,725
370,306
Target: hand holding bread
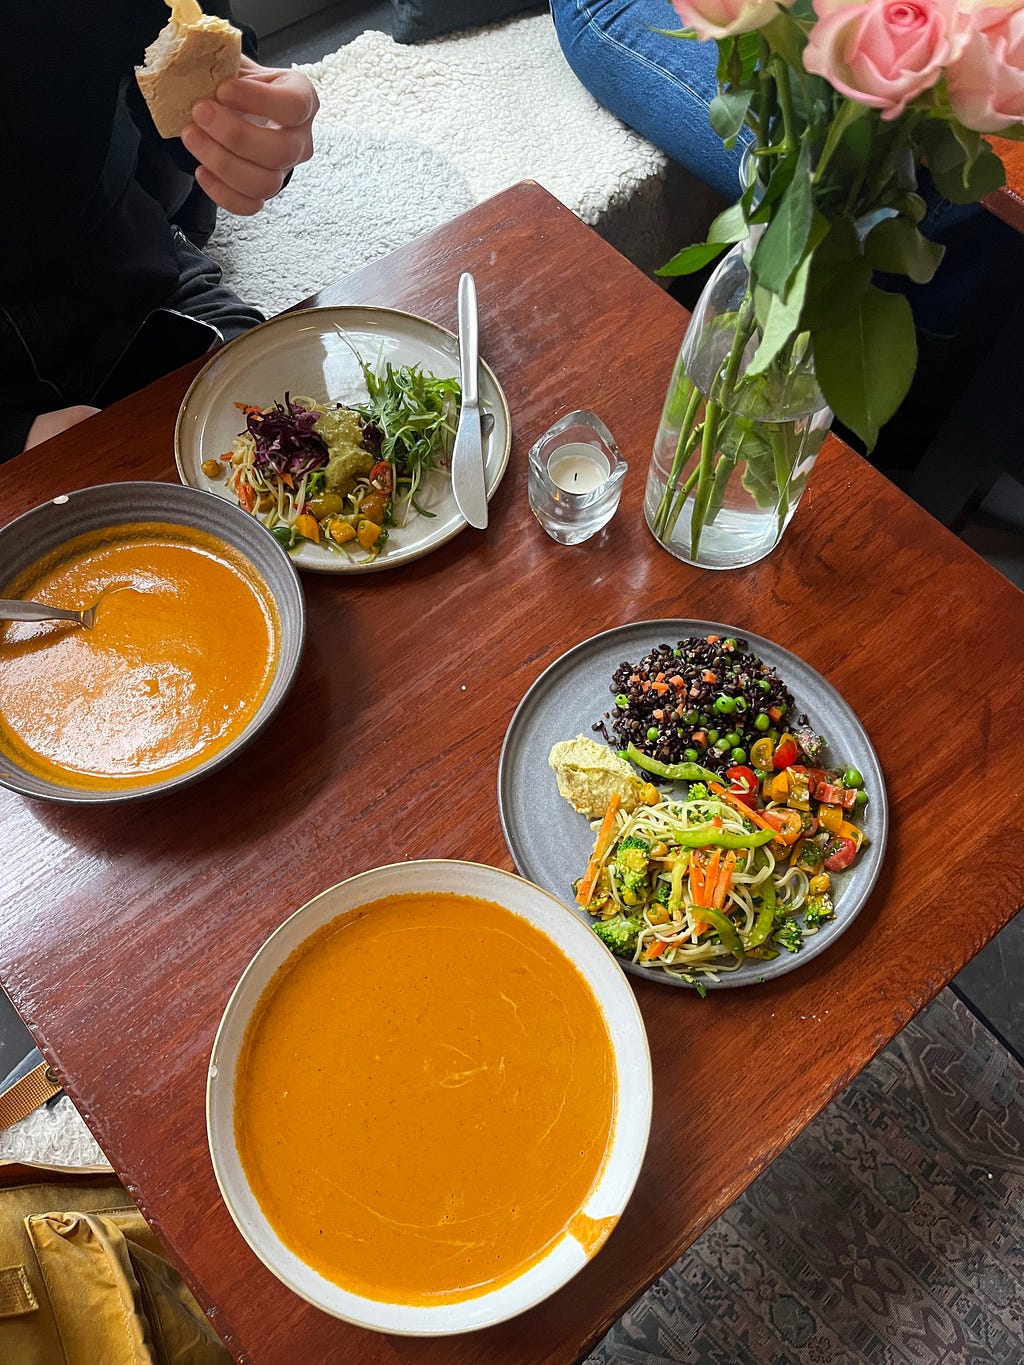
247,125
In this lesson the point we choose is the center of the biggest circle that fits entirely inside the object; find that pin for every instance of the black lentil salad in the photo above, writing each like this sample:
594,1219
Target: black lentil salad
706,699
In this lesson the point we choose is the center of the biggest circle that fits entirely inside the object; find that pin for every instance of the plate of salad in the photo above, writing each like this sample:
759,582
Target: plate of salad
700,796
334,426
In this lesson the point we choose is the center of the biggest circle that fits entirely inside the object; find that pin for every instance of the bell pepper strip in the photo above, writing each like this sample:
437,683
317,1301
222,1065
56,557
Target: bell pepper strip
830,818
711,876
604,838
725,929
707,836
724,881
673,772
765,921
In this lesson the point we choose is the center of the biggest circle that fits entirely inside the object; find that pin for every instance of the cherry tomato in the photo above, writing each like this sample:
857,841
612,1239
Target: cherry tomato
786,752
839,853
382,476
743,784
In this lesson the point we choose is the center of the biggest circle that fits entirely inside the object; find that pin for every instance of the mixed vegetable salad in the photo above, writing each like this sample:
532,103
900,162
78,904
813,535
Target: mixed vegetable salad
340,476
739,862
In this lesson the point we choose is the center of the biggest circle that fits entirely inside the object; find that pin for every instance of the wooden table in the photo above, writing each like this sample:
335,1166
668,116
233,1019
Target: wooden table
123,931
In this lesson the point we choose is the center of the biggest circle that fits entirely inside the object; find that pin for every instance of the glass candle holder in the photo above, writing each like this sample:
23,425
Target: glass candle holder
575,478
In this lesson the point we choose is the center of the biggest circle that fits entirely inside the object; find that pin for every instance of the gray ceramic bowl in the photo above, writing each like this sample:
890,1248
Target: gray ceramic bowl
24,540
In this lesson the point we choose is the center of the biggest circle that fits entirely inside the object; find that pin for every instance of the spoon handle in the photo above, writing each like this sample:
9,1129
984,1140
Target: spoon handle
13,610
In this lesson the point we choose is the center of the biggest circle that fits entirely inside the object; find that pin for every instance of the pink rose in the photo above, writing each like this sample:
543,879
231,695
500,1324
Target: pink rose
884,53
722,18
986,85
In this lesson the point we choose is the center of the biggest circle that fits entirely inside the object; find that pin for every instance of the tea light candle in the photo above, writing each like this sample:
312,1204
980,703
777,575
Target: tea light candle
578,467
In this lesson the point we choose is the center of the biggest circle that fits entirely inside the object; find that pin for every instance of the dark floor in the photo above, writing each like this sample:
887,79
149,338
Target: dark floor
992,982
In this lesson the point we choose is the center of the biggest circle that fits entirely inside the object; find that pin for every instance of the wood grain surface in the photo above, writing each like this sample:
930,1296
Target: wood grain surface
123,931
1007,203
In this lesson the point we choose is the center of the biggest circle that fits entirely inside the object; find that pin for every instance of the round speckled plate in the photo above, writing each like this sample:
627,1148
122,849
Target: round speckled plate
551,842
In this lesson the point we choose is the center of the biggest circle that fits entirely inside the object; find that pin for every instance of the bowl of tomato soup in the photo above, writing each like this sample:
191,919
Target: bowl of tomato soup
429,1098
198,633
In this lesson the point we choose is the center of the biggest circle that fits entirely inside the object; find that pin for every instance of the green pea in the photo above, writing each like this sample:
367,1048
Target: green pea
741,704
725,706
739,755
762,721
712,736
862,798
730,643
653,732
692,717
852,778
722,747
691,755
764,684
622,701
732,739
760,774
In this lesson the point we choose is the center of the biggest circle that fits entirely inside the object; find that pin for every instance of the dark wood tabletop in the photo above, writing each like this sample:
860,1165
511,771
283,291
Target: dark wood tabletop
124,930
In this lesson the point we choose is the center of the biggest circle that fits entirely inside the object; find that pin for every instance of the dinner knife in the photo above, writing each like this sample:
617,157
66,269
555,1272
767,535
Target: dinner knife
468,482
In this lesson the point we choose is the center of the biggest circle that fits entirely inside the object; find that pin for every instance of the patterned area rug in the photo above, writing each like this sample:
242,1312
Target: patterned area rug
891,1232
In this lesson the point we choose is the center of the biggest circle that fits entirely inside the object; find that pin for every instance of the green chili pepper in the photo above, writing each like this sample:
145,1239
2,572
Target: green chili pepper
710,836
724,927
674,772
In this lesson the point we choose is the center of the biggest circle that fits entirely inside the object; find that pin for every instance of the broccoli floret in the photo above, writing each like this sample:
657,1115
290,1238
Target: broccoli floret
631,863
790,935
819,908
619,933
662,891
698,792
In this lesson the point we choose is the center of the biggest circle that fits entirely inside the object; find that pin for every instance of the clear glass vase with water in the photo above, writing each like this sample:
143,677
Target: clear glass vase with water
739,434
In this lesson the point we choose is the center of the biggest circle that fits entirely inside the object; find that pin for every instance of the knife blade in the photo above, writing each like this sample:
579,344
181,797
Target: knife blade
468,483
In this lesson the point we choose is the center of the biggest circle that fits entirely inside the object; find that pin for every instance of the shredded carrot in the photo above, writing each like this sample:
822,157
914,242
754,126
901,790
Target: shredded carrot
677,681
660,687
711,877
697,880
713,639
658,714
655,949
604,838
775,713
724,880
708,676
246,498
743,809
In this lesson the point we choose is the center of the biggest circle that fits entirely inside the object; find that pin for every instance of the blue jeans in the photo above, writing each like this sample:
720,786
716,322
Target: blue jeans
662,88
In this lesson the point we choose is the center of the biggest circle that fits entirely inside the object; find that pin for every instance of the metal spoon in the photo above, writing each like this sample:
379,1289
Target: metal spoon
14,610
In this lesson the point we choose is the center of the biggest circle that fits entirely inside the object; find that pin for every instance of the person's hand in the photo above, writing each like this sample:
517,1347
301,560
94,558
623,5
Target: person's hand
247,140
49,424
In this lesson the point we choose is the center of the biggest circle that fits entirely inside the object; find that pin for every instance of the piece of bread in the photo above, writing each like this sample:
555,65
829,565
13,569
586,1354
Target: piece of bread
185,63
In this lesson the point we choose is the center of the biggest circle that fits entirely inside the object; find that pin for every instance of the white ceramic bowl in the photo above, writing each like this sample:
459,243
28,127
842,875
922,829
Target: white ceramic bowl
24,540
631,1119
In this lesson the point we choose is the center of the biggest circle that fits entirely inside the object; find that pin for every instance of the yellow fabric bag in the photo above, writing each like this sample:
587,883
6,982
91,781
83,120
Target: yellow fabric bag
83,1280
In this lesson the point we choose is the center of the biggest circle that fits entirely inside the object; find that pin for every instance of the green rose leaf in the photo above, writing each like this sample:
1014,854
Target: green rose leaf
784,243
782,321
729,227
866,363
691,258
962,164
727,112
897,247
839,277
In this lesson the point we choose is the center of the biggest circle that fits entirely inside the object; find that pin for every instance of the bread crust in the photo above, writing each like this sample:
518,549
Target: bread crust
192,72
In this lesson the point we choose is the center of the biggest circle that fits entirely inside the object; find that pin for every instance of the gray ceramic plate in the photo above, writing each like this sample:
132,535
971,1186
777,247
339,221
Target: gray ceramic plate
24,540
306,353
551,842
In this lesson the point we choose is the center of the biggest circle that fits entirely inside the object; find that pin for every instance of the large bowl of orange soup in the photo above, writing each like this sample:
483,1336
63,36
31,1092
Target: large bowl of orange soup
198,633
429,1098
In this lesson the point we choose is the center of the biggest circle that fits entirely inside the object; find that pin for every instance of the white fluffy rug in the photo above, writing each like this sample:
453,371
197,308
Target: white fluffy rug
409,136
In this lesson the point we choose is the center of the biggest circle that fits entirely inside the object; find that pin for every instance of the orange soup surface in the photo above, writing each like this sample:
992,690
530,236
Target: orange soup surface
178,660
425,1098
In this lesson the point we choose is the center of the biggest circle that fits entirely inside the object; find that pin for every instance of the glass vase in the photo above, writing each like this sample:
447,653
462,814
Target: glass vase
739,432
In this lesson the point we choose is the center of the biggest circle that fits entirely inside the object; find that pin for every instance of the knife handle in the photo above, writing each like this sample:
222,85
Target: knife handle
468,338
